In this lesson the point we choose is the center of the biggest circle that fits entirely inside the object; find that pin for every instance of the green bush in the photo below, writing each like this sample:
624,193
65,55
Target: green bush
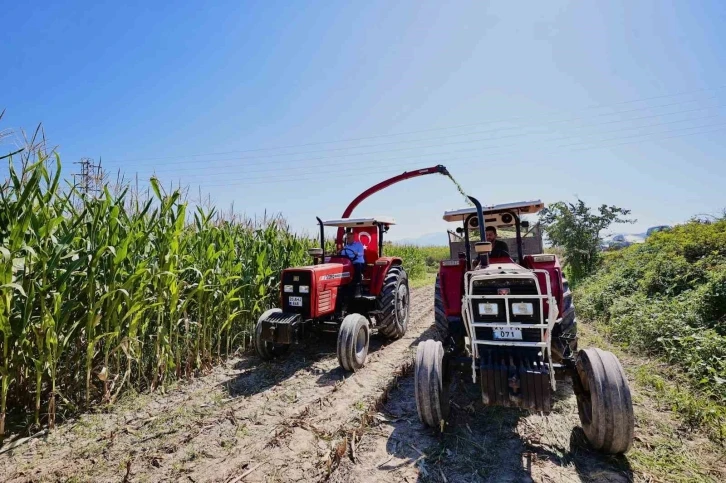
667,297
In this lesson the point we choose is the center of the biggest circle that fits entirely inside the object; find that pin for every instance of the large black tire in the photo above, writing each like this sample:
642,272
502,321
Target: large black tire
431,383
393,303
605,407
353,342
442,323
267,350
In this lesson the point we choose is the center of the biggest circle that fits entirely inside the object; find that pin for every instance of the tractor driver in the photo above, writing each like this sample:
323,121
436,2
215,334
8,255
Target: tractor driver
499,248
354,250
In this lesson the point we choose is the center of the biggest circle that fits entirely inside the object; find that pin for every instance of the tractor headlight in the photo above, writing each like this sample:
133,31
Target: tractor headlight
304,289
522,308
288,288
488,309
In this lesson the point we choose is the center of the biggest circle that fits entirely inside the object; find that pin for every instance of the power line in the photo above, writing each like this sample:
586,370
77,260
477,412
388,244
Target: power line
431,129
186,161
364,163
316,177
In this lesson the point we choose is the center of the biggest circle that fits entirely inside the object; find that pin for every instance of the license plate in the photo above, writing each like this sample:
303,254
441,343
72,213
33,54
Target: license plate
507,333
296,301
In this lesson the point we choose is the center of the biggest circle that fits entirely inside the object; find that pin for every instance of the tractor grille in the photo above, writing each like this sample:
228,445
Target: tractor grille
296,279
516,287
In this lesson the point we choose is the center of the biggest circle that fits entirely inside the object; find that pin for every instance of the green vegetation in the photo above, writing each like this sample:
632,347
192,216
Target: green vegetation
98,294
576,231
667,298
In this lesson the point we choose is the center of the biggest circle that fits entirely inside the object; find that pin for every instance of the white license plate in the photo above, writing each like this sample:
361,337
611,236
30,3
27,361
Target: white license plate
296,301
507,333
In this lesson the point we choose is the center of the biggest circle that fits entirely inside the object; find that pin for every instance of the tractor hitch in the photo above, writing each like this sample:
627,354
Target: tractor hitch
282,328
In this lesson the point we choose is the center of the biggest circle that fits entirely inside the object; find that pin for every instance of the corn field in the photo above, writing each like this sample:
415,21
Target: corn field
99,295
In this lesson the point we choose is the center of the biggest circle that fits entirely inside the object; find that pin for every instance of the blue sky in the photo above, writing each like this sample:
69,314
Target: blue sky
616,102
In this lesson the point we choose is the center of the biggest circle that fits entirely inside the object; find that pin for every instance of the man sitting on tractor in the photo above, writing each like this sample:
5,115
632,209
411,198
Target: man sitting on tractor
353,249
499,248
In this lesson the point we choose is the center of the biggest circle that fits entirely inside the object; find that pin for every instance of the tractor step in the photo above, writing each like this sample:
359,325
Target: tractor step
369,298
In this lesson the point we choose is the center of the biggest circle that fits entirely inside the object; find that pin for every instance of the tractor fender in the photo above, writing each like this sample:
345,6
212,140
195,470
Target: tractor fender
379,272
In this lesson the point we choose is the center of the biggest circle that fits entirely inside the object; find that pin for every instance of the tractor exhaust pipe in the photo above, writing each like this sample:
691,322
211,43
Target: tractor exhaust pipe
322,242
480,218
483,248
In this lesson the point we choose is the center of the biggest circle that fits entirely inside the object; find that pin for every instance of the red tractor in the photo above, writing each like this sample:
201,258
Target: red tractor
510,320
321,297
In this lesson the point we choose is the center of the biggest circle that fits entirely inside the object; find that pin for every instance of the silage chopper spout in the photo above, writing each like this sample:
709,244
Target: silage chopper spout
441,169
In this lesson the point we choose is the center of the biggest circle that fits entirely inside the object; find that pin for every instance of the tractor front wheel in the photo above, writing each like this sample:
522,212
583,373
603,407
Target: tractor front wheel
431,384
393,303
604,402
267,350
353,341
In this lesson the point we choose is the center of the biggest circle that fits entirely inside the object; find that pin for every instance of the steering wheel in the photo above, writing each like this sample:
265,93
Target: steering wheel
344,255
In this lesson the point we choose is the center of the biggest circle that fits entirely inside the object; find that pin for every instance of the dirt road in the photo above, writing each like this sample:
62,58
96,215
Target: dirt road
280,421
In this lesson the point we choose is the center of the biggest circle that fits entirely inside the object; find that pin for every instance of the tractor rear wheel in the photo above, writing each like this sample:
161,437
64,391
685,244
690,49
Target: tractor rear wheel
393,303
353,341
604,405
431,383
267,350
442,323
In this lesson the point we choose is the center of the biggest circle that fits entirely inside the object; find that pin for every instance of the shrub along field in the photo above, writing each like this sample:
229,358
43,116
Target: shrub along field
100,295
667,298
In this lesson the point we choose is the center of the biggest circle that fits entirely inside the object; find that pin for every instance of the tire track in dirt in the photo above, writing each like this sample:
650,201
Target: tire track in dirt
282,420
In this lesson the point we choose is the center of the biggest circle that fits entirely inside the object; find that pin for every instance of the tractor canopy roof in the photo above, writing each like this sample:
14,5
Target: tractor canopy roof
491,212
354,222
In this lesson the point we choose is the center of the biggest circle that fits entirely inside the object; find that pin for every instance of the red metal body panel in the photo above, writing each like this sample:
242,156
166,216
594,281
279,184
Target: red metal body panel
378,273
451,280
382,185
325,281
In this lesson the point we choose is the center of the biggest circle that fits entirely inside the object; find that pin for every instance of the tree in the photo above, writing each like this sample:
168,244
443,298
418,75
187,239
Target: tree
576,230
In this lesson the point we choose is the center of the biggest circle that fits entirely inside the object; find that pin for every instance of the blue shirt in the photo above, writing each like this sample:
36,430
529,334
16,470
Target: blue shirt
354,249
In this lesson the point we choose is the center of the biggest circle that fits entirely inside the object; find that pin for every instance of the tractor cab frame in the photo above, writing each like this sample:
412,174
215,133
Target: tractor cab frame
370,232
503,216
